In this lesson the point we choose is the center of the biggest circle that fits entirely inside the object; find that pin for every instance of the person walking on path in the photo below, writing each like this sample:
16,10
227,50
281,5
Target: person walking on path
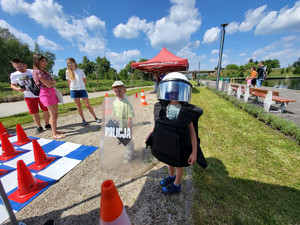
253,76
76,79
19,81
47,92
262,73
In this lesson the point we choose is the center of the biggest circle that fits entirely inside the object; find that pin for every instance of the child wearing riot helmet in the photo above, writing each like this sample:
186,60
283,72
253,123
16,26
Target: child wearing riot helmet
123,113
174,139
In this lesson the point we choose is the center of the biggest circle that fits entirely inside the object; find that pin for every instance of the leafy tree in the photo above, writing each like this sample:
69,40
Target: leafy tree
123,74
282,71
241,71
297,63
10,48
296,70
232,67
112,74
272,63
249,65
287,70
87,66
102,67
62,74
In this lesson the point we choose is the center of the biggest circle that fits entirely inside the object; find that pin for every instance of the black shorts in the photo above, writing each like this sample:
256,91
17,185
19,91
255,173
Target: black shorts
253,81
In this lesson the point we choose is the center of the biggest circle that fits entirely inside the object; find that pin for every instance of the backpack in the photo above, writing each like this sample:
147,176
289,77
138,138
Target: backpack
31,86
264,72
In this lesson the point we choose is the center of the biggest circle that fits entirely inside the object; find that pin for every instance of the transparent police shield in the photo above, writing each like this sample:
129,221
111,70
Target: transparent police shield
122,143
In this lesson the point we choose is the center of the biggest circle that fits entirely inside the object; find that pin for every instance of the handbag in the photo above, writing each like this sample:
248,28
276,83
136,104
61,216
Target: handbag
59,96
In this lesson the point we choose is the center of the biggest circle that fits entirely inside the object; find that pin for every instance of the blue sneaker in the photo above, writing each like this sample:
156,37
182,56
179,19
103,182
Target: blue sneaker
167,180
171,189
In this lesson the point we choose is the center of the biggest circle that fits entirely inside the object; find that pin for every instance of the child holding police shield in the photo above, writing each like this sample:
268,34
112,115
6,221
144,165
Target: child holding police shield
123,113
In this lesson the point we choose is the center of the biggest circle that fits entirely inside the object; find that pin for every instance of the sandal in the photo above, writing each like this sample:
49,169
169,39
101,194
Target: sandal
58,136
167,180
171,189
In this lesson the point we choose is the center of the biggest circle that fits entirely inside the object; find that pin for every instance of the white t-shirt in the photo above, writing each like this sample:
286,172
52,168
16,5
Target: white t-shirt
21,79
173,111
77,83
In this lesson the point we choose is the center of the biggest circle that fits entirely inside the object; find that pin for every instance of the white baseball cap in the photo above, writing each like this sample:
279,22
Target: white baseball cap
118,83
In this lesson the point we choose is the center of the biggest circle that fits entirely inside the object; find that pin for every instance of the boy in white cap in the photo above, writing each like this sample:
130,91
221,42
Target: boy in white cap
123,113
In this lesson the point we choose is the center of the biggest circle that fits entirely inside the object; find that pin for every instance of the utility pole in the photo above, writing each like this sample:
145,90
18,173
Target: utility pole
221,53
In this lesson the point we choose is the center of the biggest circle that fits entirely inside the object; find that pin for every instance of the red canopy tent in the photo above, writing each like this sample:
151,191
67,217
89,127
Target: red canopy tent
163,62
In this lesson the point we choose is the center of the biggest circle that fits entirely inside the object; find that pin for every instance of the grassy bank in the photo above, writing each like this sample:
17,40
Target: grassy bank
23,118
253,173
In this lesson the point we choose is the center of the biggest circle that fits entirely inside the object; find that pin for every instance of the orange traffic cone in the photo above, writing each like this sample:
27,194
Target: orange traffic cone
143,99
40,157
28,186
107,108
3,130
112,210
22,136
106,95
8,150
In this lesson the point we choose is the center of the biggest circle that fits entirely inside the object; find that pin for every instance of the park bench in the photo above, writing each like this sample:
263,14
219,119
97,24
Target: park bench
270,97
239,89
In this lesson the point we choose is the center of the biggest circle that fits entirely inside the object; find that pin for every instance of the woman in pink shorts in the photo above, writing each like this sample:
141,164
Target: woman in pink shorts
47,92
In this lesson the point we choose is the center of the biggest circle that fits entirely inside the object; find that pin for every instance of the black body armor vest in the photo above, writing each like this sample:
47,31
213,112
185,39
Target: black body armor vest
170,141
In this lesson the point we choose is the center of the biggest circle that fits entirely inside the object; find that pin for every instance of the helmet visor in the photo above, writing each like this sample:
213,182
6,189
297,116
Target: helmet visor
174,90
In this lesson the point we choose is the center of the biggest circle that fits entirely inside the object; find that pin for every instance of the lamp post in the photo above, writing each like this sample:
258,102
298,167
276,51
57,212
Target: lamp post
221,53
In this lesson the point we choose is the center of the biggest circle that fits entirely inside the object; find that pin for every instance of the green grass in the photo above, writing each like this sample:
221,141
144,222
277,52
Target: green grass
23,118
253,171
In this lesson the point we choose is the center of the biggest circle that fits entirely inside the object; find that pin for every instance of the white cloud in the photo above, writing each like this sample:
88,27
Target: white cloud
232,27
187,53
242,54
252,18
48,44
132,28
118,59
93,46
211,35
283,21
278,50
18,34
214,51
49,13
173,31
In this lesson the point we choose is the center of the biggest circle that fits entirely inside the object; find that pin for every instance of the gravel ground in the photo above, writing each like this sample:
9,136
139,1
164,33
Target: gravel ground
75,198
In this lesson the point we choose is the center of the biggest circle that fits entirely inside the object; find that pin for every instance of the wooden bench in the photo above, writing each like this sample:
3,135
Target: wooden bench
270,97
239,89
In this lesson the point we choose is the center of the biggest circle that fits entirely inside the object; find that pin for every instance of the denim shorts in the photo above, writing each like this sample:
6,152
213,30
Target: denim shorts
259,82
79,94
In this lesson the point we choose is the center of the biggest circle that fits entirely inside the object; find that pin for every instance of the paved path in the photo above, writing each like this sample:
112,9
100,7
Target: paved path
12,108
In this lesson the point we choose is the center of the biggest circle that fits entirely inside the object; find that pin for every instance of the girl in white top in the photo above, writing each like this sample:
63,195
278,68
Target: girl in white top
77,80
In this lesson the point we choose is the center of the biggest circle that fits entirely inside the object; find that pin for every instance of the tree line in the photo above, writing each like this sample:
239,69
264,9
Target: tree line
271,64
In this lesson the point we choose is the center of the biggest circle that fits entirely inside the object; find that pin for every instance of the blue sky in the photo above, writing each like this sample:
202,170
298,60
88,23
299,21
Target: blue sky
133,29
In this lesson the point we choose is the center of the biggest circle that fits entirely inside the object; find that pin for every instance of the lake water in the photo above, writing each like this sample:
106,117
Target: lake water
291,83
